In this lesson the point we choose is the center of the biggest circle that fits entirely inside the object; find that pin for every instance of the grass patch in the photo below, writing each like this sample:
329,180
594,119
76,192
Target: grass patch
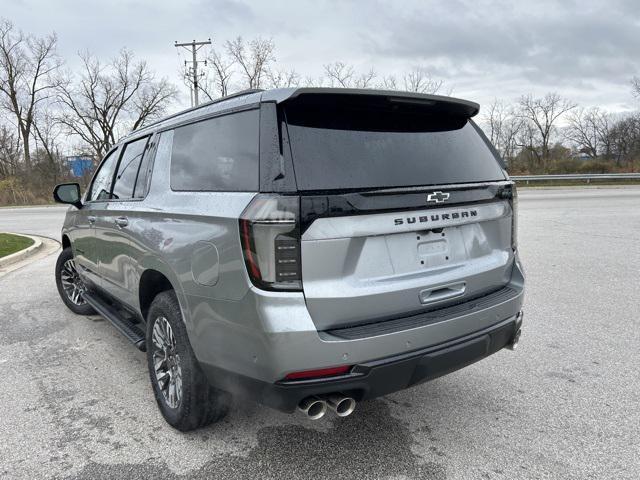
13,243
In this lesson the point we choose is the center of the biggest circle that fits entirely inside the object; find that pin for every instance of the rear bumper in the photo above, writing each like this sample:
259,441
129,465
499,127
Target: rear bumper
378,377
248,347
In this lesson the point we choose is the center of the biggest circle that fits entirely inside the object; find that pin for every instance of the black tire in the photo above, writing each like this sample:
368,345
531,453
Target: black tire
64,268
199,403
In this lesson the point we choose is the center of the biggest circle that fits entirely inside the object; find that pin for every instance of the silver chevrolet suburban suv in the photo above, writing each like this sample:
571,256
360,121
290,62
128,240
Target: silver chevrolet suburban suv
307,247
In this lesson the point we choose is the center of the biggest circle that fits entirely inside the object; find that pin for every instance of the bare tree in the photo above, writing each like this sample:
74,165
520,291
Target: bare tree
222,72
365,80
151,100
543,113
494,119
27,69
47,132
388,82
625,139
339,74
253,58
48,156
604,126
419,80
10,151
106,101
588,130
503,128
528,142
309,81
509,137
283,78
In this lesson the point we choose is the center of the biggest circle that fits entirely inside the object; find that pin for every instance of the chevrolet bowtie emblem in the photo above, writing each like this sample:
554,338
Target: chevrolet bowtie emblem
438,197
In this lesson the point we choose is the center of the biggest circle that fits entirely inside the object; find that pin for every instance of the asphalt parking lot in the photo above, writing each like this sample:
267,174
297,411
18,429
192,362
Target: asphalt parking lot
77,402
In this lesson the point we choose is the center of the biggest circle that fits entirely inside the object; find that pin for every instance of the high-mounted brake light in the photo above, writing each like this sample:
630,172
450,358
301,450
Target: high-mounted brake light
320,373
270,238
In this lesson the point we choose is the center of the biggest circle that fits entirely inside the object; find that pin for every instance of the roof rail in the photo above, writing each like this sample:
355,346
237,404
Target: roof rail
241,93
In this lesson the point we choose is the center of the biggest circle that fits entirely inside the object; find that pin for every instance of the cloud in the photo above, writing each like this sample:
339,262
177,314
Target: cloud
482,49
549,43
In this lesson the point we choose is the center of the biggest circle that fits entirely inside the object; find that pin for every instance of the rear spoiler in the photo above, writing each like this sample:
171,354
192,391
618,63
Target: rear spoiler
450,105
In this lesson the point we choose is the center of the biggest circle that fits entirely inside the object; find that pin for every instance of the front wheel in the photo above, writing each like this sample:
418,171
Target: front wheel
70,285
182,391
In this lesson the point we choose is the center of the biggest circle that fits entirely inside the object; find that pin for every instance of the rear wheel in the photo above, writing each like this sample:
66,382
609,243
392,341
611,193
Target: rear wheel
182,391
70,285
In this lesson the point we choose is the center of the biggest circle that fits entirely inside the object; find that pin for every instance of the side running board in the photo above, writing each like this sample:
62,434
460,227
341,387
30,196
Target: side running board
129,329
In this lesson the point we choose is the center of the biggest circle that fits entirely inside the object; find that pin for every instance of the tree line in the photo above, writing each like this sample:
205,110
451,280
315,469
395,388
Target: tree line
48,111
241,64
551,134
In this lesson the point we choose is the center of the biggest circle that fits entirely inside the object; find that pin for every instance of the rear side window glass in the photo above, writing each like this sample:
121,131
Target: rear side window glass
341,145
101,186
128,169
219,154
143,174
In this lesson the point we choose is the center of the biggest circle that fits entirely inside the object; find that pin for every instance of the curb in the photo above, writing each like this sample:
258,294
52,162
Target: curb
22,254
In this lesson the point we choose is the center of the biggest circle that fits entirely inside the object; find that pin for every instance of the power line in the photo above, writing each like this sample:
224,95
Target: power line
193,70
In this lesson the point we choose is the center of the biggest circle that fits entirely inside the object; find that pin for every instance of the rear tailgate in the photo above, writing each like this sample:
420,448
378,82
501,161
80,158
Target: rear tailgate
404,206
360,267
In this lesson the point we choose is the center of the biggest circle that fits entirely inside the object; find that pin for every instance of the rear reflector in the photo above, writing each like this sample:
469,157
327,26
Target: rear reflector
322,372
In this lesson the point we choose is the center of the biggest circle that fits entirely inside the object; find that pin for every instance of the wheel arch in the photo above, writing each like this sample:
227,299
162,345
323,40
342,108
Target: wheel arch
152,282
156,277
66,241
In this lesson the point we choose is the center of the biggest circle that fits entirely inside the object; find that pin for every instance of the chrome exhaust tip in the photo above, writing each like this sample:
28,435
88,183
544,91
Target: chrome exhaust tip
313,407
515,340
513,344
341,405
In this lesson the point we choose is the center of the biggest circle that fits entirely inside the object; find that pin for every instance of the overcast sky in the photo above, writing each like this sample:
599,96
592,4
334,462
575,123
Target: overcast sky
586,50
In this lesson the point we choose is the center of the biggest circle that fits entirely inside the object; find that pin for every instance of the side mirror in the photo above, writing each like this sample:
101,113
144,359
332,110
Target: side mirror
68,193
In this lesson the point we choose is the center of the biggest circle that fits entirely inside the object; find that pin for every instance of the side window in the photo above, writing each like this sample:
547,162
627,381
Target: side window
101,185
128,169
219,154
143,173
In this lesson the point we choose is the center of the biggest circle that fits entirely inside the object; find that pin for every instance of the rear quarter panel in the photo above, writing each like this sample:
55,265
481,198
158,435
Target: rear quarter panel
193,239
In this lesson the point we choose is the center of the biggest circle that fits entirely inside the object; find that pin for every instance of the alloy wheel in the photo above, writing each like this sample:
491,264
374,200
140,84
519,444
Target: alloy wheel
72,283
166,362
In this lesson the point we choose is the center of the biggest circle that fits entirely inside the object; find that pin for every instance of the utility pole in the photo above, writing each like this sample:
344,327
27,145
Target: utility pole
193,71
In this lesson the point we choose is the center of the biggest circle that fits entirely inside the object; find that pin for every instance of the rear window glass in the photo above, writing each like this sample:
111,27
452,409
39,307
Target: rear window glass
354,146
220,154
143,173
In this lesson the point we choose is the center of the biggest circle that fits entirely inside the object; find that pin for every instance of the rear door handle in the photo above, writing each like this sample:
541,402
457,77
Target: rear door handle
91,219
444,292
122,221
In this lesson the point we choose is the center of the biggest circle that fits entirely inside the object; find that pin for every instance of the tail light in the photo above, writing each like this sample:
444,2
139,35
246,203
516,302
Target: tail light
270,238
514,218
509,192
